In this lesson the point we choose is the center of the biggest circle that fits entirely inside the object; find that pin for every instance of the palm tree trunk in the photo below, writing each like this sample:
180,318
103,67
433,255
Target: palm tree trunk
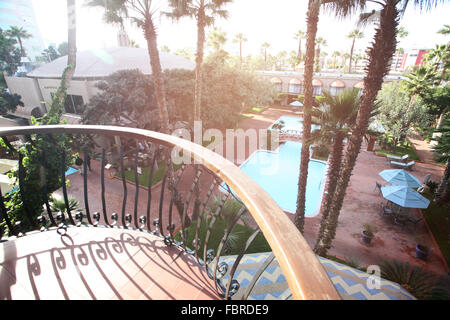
299,55
21,46
333,174
351,56
442,190
72,42
240,54
380,54
158,81
198,63
312,21
441,118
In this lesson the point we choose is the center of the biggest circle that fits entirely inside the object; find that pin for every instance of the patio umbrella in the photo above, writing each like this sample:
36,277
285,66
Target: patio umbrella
400,177
296,104
404,197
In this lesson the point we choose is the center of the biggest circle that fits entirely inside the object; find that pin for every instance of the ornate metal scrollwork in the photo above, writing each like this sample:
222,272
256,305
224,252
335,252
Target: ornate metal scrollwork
222,270
210,255
114,218
79,218
96,217
128,219
168,241
142,222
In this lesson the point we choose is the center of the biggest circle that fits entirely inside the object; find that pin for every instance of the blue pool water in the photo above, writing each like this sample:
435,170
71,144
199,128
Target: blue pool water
291,123
277,173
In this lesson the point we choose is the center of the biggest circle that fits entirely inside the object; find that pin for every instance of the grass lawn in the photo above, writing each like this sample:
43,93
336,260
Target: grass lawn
143,178
436,218
242,232
401,150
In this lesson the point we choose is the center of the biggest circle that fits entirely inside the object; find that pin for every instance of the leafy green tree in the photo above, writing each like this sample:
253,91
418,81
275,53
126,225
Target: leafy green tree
9,54
396,112
126,98
9,102
187,53
354,35
20,33
445,30
63,49
437,100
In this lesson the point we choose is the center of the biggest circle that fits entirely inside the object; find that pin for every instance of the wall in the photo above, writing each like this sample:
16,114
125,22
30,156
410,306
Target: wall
29,90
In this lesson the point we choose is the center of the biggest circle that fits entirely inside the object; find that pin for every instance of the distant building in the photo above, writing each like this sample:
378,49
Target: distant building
413,58
21,13
92,66
291,83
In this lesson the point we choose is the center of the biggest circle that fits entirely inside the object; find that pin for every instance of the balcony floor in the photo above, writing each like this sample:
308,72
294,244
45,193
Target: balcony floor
99,263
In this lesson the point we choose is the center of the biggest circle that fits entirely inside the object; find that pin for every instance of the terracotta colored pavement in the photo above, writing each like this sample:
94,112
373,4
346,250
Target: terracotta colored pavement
99,263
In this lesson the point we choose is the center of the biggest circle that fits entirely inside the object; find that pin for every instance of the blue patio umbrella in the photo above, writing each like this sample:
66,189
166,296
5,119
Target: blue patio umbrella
296,104
400,177
405,197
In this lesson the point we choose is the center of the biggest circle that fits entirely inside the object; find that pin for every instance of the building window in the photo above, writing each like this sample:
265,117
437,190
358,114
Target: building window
295,88
334,91
74,104
317,90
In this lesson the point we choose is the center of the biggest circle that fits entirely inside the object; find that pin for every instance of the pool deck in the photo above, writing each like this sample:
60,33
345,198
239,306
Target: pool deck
362,204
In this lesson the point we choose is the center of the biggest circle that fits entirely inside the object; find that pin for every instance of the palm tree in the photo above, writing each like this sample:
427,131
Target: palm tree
335,55
60,96
205,13
319,42
264,47
312,19
336,116
345,57
445,30
240,38
355,34
142,13
380,55
443,150
299,36
417,81
19,33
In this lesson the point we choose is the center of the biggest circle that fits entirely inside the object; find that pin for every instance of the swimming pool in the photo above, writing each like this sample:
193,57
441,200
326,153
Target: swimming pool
290,123
277,173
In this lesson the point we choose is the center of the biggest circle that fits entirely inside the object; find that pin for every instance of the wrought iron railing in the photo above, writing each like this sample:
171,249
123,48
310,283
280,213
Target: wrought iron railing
304,273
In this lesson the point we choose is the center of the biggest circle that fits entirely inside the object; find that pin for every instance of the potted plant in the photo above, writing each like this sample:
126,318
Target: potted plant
422,250
368,232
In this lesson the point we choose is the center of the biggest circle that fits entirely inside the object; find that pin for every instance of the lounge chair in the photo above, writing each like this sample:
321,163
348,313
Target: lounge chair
386,212
407,166
399,159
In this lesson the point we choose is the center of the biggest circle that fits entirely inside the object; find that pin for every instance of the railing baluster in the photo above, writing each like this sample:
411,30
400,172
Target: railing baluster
186,206
161,201
136,178
223,241
230,292
150,184
200,217
102,178
124,184
64,187
44,189
177,180
85,189
210,227
4,215
22,192
257,275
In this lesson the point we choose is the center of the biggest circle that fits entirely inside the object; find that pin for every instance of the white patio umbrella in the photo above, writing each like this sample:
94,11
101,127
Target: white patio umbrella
296,104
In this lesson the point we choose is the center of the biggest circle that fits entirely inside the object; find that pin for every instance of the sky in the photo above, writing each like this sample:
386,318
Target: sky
273,21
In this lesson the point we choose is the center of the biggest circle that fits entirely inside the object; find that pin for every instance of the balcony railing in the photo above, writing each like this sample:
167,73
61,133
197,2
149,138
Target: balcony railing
303,272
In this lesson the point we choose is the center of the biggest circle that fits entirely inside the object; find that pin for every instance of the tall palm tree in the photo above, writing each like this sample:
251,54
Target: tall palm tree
265,46
7,46
300,35
380,55
312,19
20,33
336,115
354,35
205,13
417,81
443,150
335,55
240,38
319,42
61,94
142,13
445,30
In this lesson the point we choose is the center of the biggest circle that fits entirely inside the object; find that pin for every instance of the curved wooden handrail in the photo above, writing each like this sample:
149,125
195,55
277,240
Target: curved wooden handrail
304,273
